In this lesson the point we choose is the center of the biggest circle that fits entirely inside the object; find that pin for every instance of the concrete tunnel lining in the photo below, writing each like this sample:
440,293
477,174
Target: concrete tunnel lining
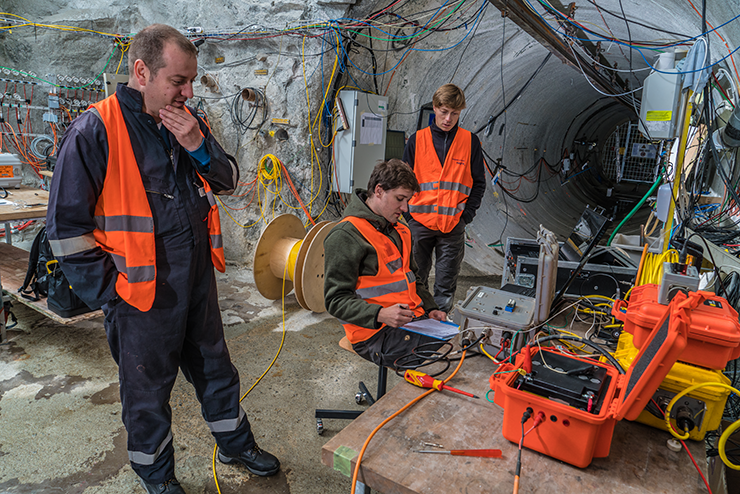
558,107
495,60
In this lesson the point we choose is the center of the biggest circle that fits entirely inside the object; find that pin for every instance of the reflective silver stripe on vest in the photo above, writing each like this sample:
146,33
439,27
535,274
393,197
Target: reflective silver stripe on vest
211,199
422,209
74,245
227,425
149,459
455,186
216,242
450,211
428,186
134,274
411,277
394,265
123,223
380,290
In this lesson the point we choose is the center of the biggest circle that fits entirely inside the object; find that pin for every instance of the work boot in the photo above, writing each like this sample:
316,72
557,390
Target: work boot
171,486
257,461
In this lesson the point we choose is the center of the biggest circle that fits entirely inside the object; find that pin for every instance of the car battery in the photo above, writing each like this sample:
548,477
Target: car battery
582,399
10,171
714,335
699,411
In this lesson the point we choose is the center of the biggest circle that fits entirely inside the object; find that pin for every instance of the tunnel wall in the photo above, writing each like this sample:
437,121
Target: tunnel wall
493,61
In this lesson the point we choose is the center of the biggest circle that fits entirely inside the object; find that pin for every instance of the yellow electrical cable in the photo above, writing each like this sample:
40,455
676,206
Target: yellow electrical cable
282,341
487,354
725,435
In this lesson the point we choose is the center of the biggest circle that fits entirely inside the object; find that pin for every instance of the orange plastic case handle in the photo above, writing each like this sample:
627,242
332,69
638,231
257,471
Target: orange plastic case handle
617,309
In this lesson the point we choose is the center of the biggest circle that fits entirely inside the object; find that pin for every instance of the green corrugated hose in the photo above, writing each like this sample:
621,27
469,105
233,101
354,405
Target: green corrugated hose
634,210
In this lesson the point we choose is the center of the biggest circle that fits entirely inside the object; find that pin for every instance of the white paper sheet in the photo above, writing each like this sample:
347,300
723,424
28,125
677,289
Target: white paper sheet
371,129
431,327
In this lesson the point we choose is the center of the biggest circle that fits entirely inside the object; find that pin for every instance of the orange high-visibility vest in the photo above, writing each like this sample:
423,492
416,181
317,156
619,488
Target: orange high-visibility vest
123,218
393,284
444,189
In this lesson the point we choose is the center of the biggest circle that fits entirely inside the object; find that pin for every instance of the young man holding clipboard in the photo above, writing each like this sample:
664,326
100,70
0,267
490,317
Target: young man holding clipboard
370,280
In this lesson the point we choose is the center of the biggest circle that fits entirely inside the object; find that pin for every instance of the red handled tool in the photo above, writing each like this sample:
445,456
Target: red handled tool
483,453
426,381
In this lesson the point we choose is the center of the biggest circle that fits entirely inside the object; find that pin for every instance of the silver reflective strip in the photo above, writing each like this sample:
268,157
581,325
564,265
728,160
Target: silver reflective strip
211,199
428,185
124,223
95,112
422,209
227,425
411,277
119,261
455,186
68,246
140,274
380,290
216,242
394,265
149,459
449,211
135,274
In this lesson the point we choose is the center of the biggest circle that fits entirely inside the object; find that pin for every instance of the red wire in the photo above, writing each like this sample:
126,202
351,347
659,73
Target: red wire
686,449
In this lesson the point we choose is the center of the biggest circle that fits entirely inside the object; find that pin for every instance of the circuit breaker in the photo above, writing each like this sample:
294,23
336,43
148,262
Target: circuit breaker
360,140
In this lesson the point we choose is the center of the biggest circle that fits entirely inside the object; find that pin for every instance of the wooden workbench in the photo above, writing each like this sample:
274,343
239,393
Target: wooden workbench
26,204
639,461
13,267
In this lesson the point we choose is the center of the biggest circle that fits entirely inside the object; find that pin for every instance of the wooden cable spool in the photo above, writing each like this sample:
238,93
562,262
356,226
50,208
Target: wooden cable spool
286,249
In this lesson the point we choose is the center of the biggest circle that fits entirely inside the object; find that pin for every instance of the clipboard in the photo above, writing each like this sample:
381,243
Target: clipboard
440,330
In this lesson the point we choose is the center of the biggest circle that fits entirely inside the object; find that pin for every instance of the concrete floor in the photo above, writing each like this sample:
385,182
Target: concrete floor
60,409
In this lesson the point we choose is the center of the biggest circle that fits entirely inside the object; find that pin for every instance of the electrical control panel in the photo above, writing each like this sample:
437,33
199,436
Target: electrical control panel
674,281
10,171
361,145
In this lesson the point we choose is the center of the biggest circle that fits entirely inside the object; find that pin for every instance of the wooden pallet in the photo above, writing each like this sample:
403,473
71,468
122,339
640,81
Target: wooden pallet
13,267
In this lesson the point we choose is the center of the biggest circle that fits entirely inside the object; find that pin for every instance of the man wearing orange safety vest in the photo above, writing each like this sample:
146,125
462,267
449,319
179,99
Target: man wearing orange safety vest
134,224
370,281
448,162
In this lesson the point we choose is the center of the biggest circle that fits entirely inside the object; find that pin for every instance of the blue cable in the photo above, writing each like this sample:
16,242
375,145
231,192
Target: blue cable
639,50
472,27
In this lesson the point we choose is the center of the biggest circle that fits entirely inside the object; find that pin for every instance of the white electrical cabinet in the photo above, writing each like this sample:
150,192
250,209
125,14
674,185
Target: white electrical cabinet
659,110
360,147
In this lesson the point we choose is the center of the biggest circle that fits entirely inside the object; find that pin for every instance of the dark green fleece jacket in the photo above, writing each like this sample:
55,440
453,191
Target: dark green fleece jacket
348,256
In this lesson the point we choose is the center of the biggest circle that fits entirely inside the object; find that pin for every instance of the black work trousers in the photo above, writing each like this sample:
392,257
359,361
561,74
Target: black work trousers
389,344
183,330
449,251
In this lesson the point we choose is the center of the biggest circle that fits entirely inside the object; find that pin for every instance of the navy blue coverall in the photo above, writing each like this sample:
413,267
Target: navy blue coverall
183,329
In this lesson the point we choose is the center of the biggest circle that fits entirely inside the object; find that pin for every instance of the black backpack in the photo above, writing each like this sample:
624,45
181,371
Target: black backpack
44,278
35,285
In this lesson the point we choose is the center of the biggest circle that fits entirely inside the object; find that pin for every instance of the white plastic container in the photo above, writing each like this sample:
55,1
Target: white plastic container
10,171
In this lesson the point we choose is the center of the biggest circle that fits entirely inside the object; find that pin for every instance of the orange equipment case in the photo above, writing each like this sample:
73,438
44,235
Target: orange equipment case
710,400
714,333
575,435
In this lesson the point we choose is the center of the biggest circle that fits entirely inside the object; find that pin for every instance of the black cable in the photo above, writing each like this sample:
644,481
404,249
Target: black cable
684,36
593,345
421,358
472,35
492,119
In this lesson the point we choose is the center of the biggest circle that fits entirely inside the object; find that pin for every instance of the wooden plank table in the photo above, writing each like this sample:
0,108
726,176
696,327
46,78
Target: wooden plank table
639,461
26,203
13,267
